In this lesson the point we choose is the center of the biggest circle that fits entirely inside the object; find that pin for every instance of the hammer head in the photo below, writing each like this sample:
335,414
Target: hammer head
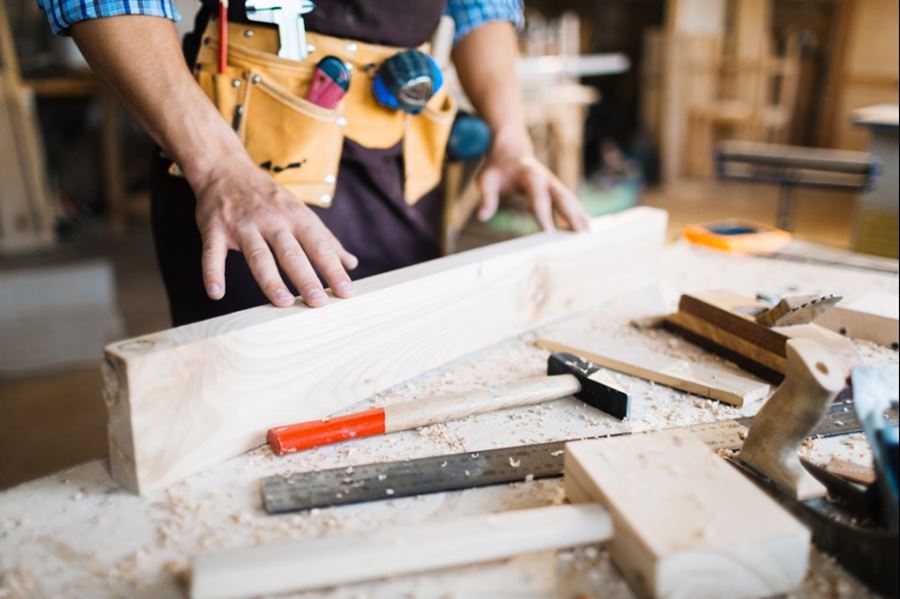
598,389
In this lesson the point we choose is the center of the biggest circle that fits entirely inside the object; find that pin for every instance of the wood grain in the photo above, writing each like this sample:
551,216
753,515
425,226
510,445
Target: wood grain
686,523
302,565
714,383
187,398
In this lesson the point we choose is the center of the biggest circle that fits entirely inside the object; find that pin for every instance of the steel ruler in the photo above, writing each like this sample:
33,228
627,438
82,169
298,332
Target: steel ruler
405,478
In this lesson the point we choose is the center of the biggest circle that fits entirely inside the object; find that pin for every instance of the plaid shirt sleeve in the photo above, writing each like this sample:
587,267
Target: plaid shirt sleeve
468,15
62,14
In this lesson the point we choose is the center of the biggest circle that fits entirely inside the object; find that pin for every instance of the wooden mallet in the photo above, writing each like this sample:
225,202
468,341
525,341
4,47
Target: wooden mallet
567,375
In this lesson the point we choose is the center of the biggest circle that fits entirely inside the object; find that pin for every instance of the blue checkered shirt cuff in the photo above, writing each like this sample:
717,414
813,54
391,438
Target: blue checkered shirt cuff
468,15
62,14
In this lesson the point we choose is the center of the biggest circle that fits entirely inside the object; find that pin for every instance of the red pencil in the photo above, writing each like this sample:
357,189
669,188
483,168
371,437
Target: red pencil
223,36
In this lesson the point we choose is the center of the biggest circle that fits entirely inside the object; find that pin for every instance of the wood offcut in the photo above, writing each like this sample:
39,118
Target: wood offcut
705,381
686,523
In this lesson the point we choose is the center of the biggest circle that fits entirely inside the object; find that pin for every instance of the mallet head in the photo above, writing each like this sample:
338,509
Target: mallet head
598,389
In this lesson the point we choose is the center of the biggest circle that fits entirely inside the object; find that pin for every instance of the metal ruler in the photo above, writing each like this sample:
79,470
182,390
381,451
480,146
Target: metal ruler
405,478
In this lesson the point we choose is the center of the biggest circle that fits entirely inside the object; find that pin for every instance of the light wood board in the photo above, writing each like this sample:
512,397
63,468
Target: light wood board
187,398
686,523
714,383
303,565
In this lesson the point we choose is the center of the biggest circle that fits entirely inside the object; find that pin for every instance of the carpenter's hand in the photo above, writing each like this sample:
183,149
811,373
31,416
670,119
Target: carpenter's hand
239,207
511,166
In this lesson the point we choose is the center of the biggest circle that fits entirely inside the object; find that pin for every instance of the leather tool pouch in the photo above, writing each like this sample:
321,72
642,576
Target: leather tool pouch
300,143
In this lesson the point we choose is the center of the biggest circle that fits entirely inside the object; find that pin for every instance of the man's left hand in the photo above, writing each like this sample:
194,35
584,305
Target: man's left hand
511,166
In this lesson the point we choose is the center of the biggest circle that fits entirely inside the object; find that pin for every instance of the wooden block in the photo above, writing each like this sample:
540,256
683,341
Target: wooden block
686,523
187,398
714,383
317,563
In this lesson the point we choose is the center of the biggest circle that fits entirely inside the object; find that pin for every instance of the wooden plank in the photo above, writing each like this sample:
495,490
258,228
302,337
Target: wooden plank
187,398
730,341
714,383
733,313
687,524
302,565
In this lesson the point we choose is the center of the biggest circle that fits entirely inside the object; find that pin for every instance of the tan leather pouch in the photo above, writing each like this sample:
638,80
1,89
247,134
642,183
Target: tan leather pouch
296,141
425,144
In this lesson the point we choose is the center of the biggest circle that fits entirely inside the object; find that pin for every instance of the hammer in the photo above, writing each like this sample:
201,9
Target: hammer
567,374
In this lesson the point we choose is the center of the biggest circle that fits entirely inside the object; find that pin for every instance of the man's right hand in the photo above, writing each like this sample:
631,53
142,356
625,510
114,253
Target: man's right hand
239,207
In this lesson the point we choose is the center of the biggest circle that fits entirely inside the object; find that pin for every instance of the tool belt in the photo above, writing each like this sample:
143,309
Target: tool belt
300,143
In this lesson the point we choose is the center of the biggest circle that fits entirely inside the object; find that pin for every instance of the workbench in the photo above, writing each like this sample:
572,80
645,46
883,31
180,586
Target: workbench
77,533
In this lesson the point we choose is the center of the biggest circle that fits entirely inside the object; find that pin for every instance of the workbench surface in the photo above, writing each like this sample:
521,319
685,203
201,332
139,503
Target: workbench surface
76,533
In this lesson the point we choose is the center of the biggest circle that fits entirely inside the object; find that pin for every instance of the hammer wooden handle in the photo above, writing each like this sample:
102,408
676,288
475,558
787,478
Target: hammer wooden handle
421,412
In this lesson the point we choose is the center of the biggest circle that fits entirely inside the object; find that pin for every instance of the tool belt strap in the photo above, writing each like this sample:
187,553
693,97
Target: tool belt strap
300,143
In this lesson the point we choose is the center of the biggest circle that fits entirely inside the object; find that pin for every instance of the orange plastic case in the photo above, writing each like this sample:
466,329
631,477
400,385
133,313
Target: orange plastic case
738,237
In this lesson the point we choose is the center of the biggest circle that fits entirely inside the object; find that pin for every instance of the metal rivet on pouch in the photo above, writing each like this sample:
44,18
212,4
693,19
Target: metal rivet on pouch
255,79
352,47
248,33
330,179
235,83
341,121
310,48
325,198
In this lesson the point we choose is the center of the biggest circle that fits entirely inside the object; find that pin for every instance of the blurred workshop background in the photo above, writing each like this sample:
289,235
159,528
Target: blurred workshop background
780,113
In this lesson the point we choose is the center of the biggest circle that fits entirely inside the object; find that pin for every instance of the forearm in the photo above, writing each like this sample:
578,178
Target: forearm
140,59
486,64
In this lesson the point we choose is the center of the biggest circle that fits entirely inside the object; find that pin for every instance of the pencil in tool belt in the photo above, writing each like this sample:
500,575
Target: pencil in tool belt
223,36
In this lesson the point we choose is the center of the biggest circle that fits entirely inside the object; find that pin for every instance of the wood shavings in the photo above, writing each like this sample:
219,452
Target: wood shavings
150,540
